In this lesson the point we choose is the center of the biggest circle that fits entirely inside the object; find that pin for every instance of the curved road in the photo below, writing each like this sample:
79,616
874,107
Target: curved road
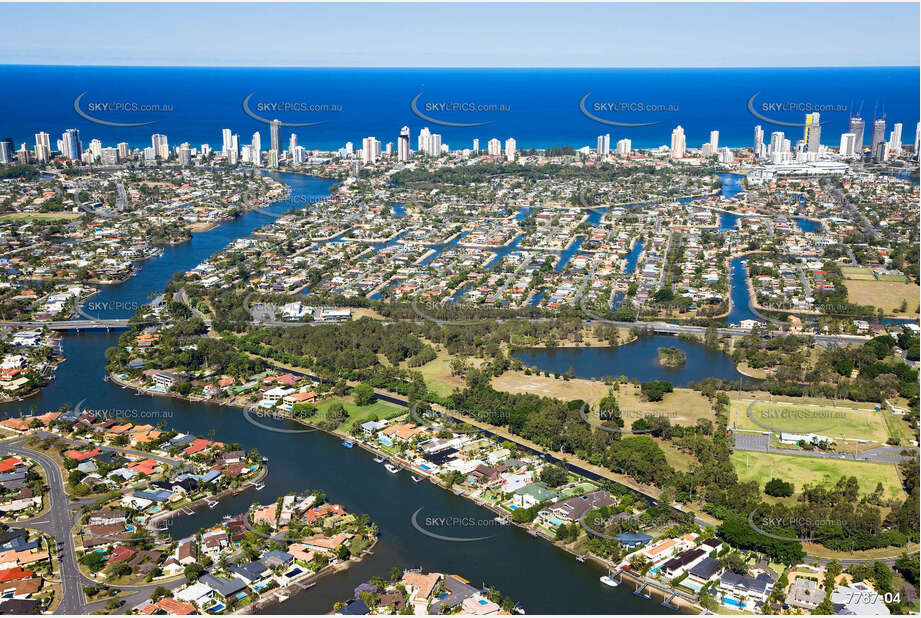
58,522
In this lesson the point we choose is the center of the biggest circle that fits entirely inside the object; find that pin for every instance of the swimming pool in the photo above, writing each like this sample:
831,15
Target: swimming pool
424,467
215,608
732,602
556,522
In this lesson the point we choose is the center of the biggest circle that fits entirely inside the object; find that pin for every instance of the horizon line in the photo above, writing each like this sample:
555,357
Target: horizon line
462,67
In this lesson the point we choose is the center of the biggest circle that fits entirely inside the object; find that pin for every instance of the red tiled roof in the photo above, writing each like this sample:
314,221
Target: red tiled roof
82,455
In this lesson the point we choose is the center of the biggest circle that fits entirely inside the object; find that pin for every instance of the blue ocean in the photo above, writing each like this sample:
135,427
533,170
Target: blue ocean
538,107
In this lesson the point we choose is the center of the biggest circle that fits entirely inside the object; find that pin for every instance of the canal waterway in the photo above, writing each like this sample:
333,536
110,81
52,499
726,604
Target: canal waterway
542,578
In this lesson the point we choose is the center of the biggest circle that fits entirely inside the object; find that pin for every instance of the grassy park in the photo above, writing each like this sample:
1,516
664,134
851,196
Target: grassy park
799,470
834,421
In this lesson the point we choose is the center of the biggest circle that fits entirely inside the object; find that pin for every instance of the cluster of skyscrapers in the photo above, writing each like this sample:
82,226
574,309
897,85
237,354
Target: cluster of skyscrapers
623,147
778,150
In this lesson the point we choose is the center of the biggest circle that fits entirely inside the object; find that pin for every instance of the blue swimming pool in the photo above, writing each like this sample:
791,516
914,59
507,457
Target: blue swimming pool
215,608
424,467
732,602
556,522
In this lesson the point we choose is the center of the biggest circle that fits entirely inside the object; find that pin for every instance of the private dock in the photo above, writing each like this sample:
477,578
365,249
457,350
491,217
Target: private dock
668,602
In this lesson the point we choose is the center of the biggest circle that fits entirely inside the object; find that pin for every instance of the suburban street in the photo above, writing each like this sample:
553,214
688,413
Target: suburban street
59,522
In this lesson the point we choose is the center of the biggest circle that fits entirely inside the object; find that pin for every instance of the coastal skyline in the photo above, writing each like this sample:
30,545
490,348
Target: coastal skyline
438,35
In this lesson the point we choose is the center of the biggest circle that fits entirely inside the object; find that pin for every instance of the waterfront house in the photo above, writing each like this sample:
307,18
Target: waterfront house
371,427
402,432
484,474
251,572
223,587
573,509
682,562
745,589
266,515
164,379
420,587
289,401
274,395
157,495
326,544
301,553
701,573
355,607
277,558
457,589
478,605
662,550
632,540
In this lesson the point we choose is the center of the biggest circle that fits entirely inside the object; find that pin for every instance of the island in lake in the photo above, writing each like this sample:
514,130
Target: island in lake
672,357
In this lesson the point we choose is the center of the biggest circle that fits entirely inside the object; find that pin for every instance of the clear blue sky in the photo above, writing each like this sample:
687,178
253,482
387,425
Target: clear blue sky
456,35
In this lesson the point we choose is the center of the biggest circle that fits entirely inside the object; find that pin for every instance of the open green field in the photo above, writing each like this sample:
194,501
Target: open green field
40,216
360,413
858,273
826,420
886,294
797,469
437,376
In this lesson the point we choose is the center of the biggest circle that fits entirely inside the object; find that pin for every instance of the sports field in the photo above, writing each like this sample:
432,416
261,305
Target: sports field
857,273
40,216
797,469
827,420
887,295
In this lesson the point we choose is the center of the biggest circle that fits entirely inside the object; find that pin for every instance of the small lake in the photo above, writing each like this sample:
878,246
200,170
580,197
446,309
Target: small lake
808,225
637,360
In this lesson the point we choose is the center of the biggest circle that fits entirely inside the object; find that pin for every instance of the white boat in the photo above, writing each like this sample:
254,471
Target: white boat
378,460
283,597
416,479
607,580
392,468
501,520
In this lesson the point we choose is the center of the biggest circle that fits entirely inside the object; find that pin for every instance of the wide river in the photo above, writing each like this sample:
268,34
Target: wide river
542,578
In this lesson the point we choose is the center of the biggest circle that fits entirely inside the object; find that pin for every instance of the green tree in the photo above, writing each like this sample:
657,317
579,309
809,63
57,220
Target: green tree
363,394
